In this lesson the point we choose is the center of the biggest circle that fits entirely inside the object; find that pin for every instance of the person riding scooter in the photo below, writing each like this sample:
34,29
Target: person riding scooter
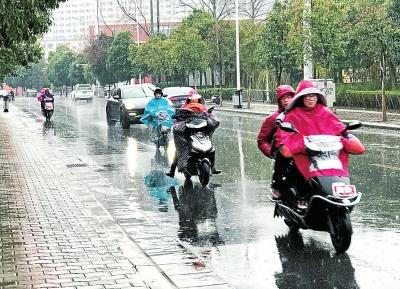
266,135
194,107
309,114
43,96
158,111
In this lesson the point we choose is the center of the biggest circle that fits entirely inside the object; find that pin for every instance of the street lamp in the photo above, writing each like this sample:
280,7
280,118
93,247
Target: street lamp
238,102
137,35
307,52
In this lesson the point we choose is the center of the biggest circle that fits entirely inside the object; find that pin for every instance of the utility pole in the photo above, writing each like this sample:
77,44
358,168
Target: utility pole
137,35
158,16
97,18
151,18
307,52
238,89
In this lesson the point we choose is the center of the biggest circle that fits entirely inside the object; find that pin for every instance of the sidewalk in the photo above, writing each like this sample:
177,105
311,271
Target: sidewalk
368,118
54,233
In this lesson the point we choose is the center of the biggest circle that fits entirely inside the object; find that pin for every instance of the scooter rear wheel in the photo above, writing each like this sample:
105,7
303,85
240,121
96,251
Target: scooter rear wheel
293,227
342,231
204,174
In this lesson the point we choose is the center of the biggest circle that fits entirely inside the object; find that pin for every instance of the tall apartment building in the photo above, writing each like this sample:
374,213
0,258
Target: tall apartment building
71,21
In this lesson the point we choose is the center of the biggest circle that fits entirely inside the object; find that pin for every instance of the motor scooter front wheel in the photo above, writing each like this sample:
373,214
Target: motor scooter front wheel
204,175
341,231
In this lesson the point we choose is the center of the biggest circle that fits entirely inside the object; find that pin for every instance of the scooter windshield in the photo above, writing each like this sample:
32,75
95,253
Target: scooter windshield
323,151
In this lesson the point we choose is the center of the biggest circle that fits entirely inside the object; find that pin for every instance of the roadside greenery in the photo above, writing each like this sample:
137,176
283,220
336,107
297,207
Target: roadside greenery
21,25
351,41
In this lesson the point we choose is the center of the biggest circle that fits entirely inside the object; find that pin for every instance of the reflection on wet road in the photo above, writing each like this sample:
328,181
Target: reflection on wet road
230,223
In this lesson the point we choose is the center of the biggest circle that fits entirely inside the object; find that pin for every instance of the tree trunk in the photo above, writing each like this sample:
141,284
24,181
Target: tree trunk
392,68
249,93
340,76
383,77
278,74
151,18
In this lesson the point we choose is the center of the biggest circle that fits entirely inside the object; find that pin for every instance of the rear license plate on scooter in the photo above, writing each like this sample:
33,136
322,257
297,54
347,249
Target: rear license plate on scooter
343,190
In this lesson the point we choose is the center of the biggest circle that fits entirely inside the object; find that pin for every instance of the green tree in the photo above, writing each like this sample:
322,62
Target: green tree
222,53
76,72
88,74
189,51
96,56
153,57
32,77
328,34
138,59
22,22
374,32
118,57
200,20
281,39
59,64
250,50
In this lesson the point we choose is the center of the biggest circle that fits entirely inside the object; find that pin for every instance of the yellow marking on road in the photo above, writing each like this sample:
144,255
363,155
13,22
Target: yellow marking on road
386,167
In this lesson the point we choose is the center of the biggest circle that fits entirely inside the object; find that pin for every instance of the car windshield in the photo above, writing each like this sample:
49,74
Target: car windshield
175,91
136,92
84,87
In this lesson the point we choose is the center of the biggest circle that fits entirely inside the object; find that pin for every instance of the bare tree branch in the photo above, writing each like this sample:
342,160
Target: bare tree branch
130,12
219,9
101,18
188,3
254,8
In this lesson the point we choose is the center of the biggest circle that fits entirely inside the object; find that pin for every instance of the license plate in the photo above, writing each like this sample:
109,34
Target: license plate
343,190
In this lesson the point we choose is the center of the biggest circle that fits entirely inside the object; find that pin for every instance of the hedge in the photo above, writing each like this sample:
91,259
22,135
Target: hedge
367,99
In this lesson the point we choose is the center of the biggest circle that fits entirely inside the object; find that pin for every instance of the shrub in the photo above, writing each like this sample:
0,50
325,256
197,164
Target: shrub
367,99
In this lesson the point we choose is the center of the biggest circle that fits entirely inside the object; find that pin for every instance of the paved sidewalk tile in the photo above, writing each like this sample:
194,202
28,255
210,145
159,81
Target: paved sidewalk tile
53,236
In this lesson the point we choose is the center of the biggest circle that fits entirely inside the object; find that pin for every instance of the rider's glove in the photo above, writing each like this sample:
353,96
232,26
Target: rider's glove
353,145
285,151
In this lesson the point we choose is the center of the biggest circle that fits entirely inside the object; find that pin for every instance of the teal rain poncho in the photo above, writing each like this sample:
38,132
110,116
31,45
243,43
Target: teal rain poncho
158,111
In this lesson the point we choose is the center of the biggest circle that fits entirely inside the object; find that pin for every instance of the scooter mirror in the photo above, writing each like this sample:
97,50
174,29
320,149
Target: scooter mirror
210,109
353,125
288,127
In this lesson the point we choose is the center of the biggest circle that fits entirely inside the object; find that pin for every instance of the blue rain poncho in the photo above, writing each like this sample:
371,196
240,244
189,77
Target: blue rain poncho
158,111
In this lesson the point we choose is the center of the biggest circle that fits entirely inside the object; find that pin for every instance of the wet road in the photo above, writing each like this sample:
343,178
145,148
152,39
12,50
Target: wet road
230,224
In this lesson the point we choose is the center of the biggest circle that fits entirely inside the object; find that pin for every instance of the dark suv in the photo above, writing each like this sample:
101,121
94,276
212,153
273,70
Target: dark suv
126,104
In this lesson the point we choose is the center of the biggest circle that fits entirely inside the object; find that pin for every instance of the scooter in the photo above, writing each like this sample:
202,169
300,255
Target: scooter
161,129
216,99
330,198
202,152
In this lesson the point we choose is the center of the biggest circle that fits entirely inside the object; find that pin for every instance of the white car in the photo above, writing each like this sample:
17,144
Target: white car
83,92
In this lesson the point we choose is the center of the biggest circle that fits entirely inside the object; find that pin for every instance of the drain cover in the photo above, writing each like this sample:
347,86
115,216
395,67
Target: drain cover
80,165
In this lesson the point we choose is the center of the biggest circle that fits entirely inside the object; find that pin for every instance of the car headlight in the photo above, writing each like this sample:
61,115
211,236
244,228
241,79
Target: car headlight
129,106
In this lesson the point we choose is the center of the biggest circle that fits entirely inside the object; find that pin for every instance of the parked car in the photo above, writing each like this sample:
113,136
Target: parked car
30,93
83,92
126,104
177,95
